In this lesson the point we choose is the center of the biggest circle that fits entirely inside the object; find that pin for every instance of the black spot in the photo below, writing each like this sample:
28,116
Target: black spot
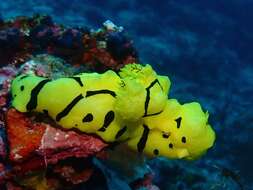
165,135
88,118
76,125
183,140
45,112
22,87
178,120
15,95
171,145
156,152
121,132
109,117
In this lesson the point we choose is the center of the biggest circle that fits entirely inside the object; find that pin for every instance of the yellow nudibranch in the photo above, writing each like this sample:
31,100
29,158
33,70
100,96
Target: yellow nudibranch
131,107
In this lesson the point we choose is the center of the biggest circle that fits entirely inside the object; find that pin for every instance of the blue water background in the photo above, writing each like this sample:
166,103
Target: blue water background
205,47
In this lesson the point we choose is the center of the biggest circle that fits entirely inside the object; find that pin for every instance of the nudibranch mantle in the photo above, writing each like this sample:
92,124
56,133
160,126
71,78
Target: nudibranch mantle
180,131
130,106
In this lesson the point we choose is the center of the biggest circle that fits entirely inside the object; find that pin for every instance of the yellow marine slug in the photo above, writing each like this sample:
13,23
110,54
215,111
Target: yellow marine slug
180,131
130,106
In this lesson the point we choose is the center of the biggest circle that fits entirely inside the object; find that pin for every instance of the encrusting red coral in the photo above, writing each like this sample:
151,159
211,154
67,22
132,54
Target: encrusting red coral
58,144
24,136
35,145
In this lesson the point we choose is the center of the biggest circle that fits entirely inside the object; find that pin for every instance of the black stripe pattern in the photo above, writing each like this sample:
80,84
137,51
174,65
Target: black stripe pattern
153,114
32,104
148,98
23,77
143,140
109,117
121,132
68,108
95,92
78,80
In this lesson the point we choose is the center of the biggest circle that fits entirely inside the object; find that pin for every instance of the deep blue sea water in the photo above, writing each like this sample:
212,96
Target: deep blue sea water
205,47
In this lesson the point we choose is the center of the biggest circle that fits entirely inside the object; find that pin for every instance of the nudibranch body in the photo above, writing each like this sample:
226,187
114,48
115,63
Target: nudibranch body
131,106
89,101
180,131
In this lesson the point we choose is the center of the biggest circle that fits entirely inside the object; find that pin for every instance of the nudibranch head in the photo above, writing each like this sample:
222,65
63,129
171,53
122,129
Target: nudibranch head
142,92
191,130
22,88
181,131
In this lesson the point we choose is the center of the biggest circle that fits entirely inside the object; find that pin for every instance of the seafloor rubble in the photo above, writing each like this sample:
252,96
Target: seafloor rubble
37,154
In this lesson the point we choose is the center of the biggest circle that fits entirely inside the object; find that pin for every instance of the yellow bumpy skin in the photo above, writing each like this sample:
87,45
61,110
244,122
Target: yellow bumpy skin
130,106
84,101
145,91
181,131
88,101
